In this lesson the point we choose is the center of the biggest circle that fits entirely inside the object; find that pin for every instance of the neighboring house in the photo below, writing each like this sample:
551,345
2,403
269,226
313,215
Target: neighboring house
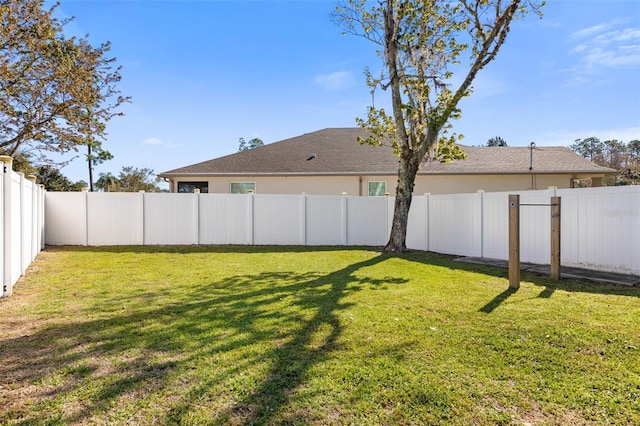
331,161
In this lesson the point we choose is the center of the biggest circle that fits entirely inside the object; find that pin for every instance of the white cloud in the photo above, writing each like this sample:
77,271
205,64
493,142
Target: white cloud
590,31
159,142
153,141
602,48
335,81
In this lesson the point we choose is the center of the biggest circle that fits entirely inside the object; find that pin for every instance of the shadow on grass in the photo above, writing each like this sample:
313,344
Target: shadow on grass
428,258
208,249
265,330
498,300
311,343
550,286
282,322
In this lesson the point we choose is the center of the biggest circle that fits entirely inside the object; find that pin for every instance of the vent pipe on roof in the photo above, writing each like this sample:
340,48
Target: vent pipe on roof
531,146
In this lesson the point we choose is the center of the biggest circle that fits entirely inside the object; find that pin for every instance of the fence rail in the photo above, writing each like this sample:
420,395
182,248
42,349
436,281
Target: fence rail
600,226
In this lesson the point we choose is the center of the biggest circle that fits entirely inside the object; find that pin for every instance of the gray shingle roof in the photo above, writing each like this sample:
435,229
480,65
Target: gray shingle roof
337,152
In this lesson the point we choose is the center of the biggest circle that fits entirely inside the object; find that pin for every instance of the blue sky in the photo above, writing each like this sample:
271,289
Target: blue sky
203,74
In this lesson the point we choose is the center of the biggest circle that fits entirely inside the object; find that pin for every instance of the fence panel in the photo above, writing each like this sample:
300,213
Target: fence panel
66,218
225,219
535,227
418,222
495,225
5,280
326,220
367,221
170,220
20,216
601,228
454,224
16,231
26,223
114,219
278,219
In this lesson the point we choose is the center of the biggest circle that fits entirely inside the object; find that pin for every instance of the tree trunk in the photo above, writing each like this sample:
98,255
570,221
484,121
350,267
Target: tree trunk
90,161
404,193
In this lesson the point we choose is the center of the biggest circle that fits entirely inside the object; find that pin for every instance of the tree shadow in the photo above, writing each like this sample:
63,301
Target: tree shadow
287,322
130,354
305,347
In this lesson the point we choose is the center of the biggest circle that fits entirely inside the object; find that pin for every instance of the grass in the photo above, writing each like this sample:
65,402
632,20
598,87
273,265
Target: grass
294,335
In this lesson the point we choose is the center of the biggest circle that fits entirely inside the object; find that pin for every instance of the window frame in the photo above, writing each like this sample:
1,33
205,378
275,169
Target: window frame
247,191
202,185
384,182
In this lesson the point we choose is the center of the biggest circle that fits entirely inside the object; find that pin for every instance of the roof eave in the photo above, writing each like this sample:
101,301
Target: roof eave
220,174
379,173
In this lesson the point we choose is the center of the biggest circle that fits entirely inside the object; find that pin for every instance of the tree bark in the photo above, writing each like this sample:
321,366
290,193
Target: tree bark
90,161
407,171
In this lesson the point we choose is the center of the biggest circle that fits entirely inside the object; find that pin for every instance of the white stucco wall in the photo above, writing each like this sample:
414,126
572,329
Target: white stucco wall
358,185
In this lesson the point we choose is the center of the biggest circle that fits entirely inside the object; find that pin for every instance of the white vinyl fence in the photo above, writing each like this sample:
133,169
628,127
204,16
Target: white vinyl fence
600,226
21,224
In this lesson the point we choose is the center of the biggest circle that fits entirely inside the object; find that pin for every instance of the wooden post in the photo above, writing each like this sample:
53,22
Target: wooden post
514,241
555,238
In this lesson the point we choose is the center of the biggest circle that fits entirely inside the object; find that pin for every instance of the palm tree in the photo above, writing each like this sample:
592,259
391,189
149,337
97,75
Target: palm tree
107,182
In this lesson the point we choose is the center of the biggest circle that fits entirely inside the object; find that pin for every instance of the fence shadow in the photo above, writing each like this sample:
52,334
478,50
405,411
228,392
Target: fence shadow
548,285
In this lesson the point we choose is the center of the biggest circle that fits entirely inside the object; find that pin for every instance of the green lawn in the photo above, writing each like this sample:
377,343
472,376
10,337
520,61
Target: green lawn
284,335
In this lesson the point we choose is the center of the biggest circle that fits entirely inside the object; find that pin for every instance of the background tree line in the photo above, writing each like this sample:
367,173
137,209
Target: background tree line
57,94
130,179
615,154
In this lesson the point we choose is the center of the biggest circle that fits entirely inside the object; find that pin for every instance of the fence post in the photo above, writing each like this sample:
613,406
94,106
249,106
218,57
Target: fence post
303,218
345,219
427,200
34,218
480,193
23,262
195,231
387,225
41,215
514,241
87,224
555,238
252,212
6,224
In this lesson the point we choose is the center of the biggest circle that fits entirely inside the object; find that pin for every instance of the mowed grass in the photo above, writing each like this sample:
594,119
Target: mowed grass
310,336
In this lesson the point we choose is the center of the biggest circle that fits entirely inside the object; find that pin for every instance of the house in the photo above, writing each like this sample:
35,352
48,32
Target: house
331,161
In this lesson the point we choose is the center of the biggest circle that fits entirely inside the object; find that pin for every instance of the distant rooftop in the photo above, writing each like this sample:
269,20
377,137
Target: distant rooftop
336,151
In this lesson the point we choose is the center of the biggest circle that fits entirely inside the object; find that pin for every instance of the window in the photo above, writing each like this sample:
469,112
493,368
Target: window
580,183
242,187
377,188
190,186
